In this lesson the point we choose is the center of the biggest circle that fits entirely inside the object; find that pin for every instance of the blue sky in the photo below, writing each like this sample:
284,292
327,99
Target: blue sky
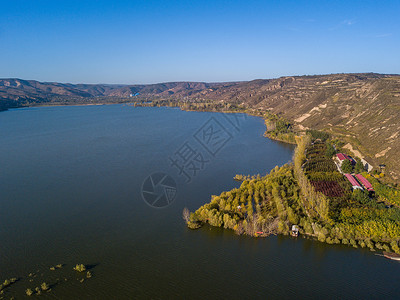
156,41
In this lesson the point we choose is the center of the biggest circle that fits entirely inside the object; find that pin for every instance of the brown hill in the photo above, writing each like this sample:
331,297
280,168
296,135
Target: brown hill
362,109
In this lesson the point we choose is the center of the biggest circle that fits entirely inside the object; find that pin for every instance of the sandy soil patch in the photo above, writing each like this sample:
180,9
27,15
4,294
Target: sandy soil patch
302,118
393,136
383,152
352,150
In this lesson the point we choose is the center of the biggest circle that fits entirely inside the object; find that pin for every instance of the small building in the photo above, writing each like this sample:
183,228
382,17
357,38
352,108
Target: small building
295,231
342,157
354,182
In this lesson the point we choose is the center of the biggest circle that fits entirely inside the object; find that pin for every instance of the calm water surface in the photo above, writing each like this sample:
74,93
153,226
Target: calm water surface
70,192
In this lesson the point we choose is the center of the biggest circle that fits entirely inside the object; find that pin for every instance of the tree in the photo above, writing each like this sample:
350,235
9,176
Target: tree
361,197
347,166
359,167
330,150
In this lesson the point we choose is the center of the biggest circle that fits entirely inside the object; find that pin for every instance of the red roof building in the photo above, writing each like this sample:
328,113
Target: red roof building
365,182
343,157
353,181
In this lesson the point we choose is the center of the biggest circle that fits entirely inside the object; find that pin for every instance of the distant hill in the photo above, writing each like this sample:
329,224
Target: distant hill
31,91
362,109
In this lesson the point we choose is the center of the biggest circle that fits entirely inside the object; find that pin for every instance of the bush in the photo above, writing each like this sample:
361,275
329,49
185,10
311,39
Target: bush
316,134
369,244
44,286
193,225
395,247
28,292
321,237
283,227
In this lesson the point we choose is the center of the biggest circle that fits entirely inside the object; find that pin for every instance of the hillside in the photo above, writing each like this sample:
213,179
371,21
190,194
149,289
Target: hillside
361,109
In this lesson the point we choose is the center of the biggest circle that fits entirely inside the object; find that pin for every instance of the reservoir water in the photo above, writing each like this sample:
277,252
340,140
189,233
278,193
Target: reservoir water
73,190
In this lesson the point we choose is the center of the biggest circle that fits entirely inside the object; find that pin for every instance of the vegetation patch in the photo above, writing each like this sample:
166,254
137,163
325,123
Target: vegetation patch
311,194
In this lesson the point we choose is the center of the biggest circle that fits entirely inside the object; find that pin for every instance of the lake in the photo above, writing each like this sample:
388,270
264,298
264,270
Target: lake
78,184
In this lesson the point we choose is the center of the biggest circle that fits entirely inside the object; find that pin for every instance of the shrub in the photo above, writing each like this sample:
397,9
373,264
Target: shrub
44,286
321,237
28,292
369,244
282,227
395,247
80,268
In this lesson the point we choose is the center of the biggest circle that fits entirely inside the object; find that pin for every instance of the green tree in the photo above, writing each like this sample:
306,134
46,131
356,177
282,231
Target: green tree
359,167
330,150
361,197
347,166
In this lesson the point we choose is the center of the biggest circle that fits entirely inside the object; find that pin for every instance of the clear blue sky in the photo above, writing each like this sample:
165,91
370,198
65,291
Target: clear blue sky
200,40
